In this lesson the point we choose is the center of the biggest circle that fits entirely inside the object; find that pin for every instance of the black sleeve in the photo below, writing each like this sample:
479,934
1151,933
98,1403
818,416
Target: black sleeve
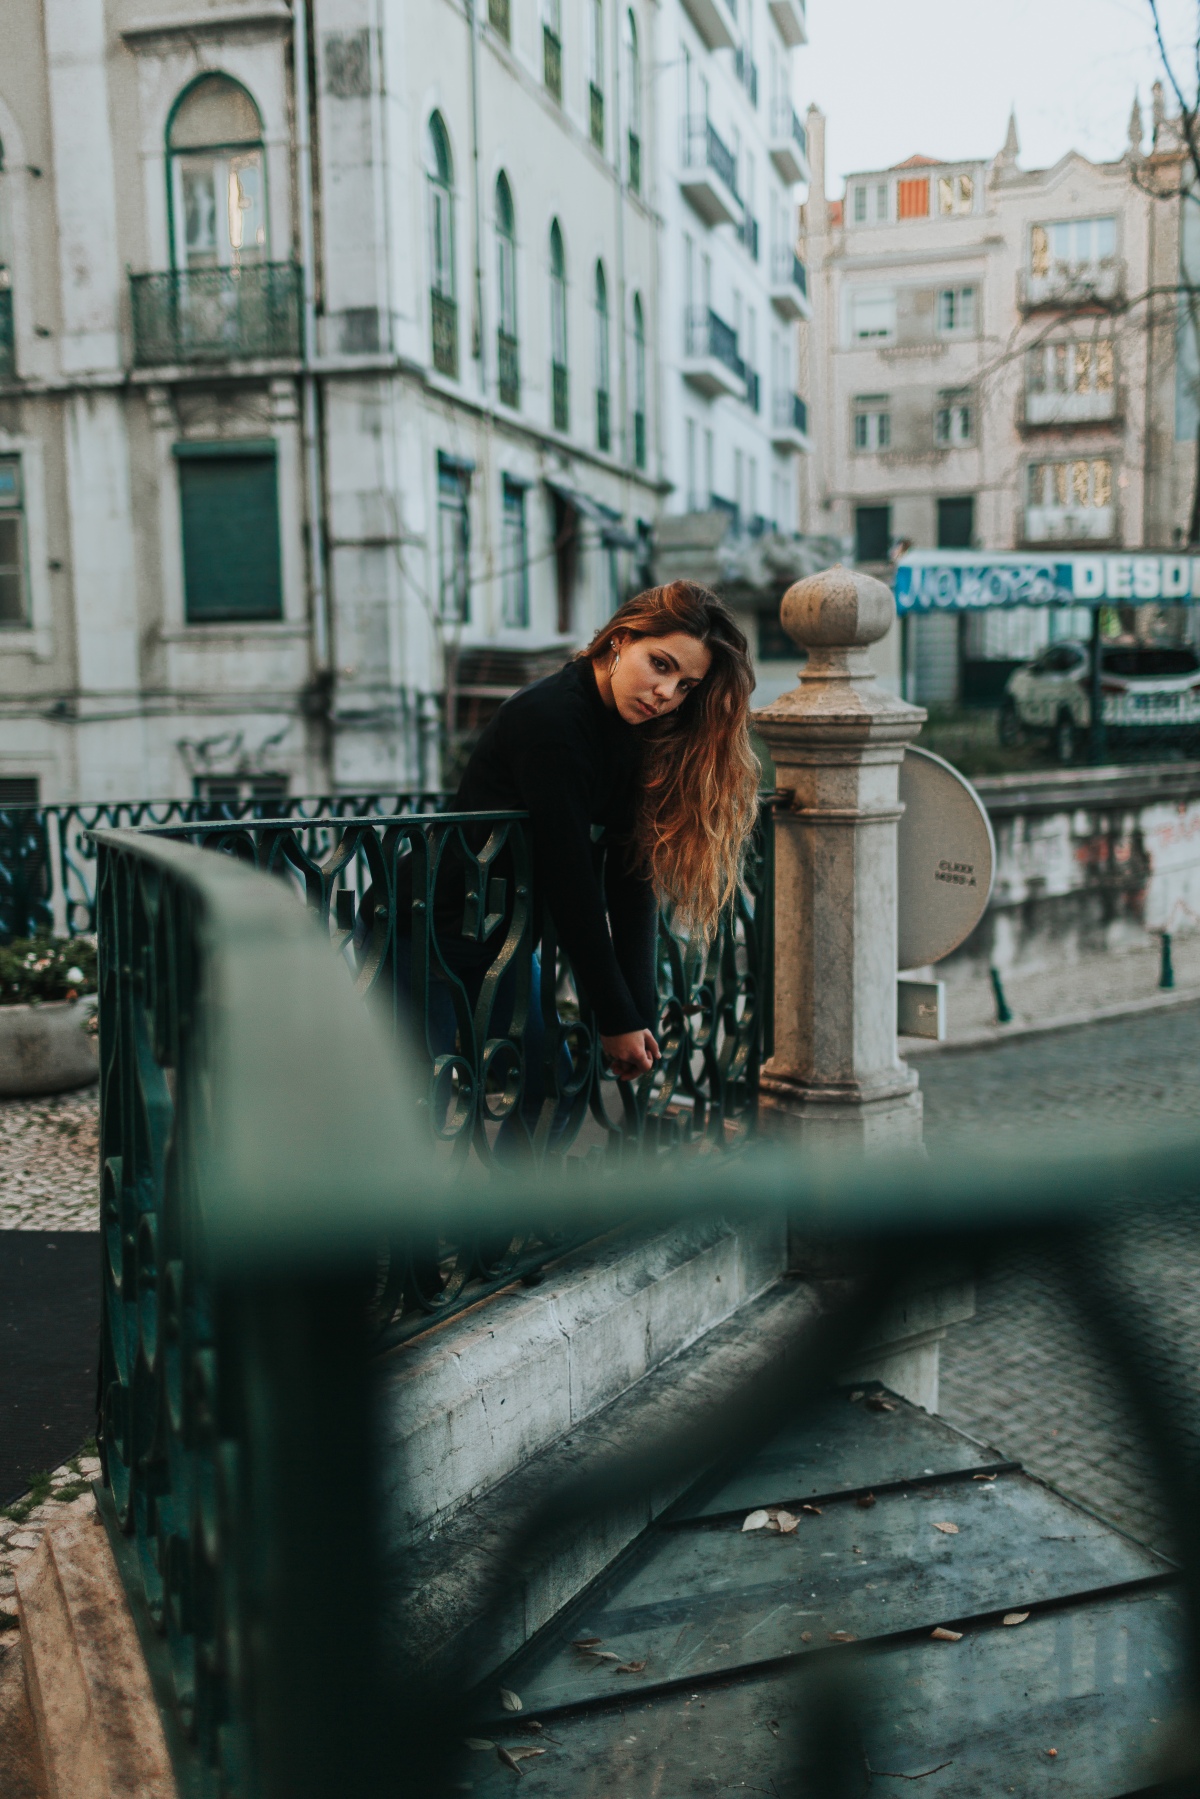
551,783
633,915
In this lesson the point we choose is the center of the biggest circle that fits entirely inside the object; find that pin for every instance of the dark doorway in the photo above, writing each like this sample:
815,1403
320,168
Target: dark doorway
956,523
872,533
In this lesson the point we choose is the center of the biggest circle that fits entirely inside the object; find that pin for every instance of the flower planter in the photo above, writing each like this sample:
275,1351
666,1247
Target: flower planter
47,1048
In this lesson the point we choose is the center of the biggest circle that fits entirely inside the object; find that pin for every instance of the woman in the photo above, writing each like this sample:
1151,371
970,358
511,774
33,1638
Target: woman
634,764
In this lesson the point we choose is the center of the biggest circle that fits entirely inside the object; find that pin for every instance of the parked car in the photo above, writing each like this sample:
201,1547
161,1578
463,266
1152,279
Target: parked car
1149,691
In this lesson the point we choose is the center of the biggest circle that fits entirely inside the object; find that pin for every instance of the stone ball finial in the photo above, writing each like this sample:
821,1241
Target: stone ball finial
838,609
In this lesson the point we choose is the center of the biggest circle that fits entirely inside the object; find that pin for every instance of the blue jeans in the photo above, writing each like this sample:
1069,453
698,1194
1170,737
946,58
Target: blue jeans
442,1027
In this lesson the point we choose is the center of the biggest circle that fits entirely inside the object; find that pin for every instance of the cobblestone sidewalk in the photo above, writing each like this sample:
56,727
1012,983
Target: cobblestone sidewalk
65,1493
48,1150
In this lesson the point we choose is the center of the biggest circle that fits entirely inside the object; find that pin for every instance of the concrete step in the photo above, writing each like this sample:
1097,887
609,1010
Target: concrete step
438,1590
469,1402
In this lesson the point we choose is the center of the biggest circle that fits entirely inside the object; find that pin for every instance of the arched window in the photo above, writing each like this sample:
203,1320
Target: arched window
7,355
558,329
217,178
439,171
633,100
639,382
603,424
506,287
596,70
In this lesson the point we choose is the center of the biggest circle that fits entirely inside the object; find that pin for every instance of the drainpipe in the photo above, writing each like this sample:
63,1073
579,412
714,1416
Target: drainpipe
622,346
310,427
477,327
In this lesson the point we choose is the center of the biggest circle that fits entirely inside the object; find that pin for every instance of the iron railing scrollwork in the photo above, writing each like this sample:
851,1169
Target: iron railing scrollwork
216,315
48,856
436,918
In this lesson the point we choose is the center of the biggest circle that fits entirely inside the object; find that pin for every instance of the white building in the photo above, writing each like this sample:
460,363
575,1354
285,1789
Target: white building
993,365
376,411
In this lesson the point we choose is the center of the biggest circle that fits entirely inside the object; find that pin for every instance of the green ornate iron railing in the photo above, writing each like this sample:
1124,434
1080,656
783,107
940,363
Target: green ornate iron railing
596,114
560,396
500,17
438,921
444,316
8,343
48,856
508,357
216,315
603,422
259,1142
635,162
552,62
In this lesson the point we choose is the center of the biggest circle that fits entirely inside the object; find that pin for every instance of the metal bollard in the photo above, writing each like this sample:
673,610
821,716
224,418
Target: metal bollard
1166,969
1003,1009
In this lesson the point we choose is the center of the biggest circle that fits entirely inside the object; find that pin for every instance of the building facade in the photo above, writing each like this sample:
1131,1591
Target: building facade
994,366
329,407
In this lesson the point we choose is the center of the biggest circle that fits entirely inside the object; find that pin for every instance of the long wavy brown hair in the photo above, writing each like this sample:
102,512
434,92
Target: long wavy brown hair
700,775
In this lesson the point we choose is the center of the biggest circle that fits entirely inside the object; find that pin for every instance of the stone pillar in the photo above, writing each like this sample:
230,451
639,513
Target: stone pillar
837,740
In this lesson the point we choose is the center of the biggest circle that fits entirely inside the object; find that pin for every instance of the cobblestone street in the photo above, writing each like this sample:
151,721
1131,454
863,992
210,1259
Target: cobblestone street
1022,1373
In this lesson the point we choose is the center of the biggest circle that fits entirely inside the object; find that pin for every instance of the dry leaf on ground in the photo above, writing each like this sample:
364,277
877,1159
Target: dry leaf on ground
946,1636
983,1477
510,1700
951,1530
510,1761
866,1500
814,1509
806,1636
756,1520
787,1522
842,1636
479,1743
522,1752
630,1668
1014,1617
586,1642
878,1403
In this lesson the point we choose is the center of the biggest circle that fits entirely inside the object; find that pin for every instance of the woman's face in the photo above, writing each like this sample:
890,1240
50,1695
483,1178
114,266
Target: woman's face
654,675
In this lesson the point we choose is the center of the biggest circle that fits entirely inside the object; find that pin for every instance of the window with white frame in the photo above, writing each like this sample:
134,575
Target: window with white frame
514,556
872,422
860,206
217,179
872,314
954,422
881,202
1070,499
1071,244
956,310
955,193
14,605
454,538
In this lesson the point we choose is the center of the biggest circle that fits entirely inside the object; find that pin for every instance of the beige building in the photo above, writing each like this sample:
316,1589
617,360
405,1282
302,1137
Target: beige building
992,364
327,351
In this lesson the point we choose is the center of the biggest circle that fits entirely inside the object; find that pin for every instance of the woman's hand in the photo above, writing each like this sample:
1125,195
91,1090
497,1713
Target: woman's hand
631,1054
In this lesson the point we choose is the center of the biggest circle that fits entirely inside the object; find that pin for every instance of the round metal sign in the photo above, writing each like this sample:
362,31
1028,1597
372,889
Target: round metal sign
946,859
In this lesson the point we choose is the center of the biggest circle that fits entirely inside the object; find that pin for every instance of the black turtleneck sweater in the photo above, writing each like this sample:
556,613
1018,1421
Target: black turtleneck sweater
556,751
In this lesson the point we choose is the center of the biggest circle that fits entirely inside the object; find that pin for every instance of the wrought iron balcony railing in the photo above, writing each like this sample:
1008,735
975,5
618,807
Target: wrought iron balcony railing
596,110
747,235
552,63
603,423
508,358
790,413
639,439
249,313
560,397
753,390
8,347
709,335
443,312
500,17
48,855
635,162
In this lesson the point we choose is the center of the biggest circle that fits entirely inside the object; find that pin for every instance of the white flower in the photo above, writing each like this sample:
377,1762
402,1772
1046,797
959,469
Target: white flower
74,974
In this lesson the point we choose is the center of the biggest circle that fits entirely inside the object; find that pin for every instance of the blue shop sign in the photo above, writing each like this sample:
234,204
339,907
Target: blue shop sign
978,580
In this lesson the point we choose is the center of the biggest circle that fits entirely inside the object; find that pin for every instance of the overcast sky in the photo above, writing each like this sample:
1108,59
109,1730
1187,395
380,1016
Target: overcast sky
896,77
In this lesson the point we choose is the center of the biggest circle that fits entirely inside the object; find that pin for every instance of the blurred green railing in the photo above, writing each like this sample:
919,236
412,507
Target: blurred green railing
260,1141
216,315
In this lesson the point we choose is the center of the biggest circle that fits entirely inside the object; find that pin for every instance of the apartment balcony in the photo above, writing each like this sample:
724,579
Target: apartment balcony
1064,412
596,115
747,236
708,176
1067,285
789,424
1070,524
500,18
8,357
791,20
789,285
753,390
246,314
711,363
509,361
444,314
746,71
715,20
787,143
552,63
560,397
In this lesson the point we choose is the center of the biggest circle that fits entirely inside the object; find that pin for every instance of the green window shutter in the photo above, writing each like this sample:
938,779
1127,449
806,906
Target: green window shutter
230,508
